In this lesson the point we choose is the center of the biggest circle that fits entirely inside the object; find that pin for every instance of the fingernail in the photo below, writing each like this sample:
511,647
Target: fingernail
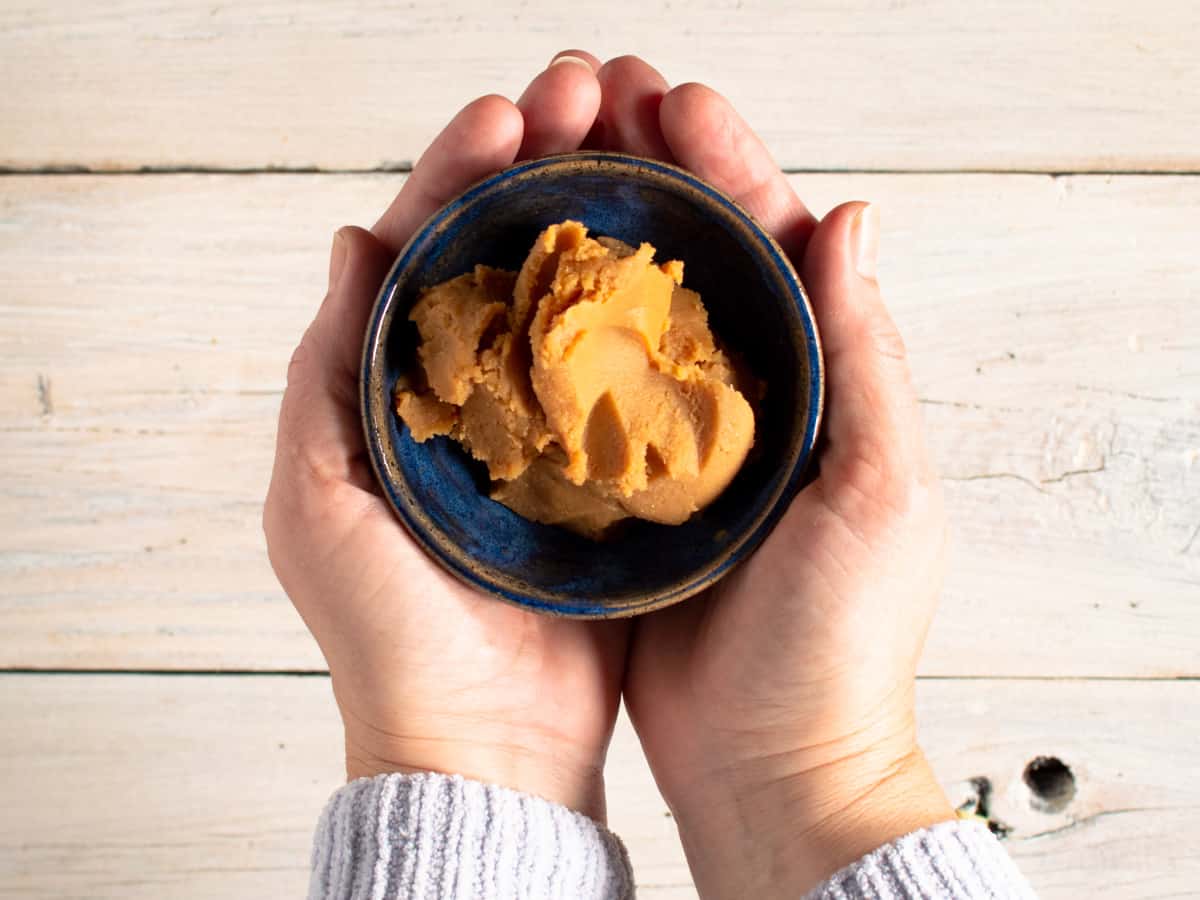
866,241
337,259
566,57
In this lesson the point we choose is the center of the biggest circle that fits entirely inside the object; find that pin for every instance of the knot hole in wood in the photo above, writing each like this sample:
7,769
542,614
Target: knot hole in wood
1051,784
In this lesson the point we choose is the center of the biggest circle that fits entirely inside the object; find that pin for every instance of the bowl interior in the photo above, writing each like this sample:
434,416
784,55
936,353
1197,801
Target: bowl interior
756,306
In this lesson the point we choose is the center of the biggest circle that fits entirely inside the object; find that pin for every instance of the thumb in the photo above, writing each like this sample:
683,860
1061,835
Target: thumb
872,417
318,420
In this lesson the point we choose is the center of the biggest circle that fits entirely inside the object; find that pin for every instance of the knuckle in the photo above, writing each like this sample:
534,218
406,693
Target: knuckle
884,495
299,363
311,470
879,480
889,343
267,520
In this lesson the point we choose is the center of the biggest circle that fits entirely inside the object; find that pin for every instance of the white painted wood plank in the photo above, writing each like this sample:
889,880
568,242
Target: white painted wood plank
1129,748
145,326
118,786
1079,85
137,786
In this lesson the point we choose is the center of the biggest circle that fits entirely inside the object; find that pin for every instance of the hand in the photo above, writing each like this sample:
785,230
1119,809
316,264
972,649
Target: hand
428,674
777,710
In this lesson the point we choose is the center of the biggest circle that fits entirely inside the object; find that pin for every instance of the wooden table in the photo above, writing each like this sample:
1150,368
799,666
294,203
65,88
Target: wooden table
173,175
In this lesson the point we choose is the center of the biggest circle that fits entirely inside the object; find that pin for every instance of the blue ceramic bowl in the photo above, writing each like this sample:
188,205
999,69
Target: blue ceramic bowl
756,306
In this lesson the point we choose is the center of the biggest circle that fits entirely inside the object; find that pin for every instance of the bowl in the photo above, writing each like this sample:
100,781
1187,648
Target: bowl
756,306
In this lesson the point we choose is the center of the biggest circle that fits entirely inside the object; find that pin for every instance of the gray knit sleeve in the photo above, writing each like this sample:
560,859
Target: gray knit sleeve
439,837
955,860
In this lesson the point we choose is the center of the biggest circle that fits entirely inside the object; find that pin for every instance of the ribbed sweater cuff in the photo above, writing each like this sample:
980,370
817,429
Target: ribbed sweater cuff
438,837
960,860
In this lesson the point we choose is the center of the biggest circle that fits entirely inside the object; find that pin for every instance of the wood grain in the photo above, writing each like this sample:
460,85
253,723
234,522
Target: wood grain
146,323
871,84
119,786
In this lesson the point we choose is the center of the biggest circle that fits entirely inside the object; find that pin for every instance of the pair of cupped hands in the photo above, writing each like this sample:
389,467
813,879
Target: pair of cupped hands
776,710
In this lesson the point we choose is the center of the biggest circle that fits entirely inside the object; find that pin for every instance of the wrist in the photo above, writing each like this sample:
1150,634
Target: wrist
781,826
553,776
868,809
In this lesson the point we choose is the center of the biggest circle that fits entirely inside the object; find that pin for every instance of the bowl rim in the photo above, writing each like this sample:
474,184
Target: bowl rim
705,576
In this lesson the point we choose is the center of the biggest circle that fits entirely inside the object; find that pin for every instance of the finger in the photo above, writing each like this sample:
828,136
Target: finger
559,107
631,91
483,138
318,420
707,136
872,411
